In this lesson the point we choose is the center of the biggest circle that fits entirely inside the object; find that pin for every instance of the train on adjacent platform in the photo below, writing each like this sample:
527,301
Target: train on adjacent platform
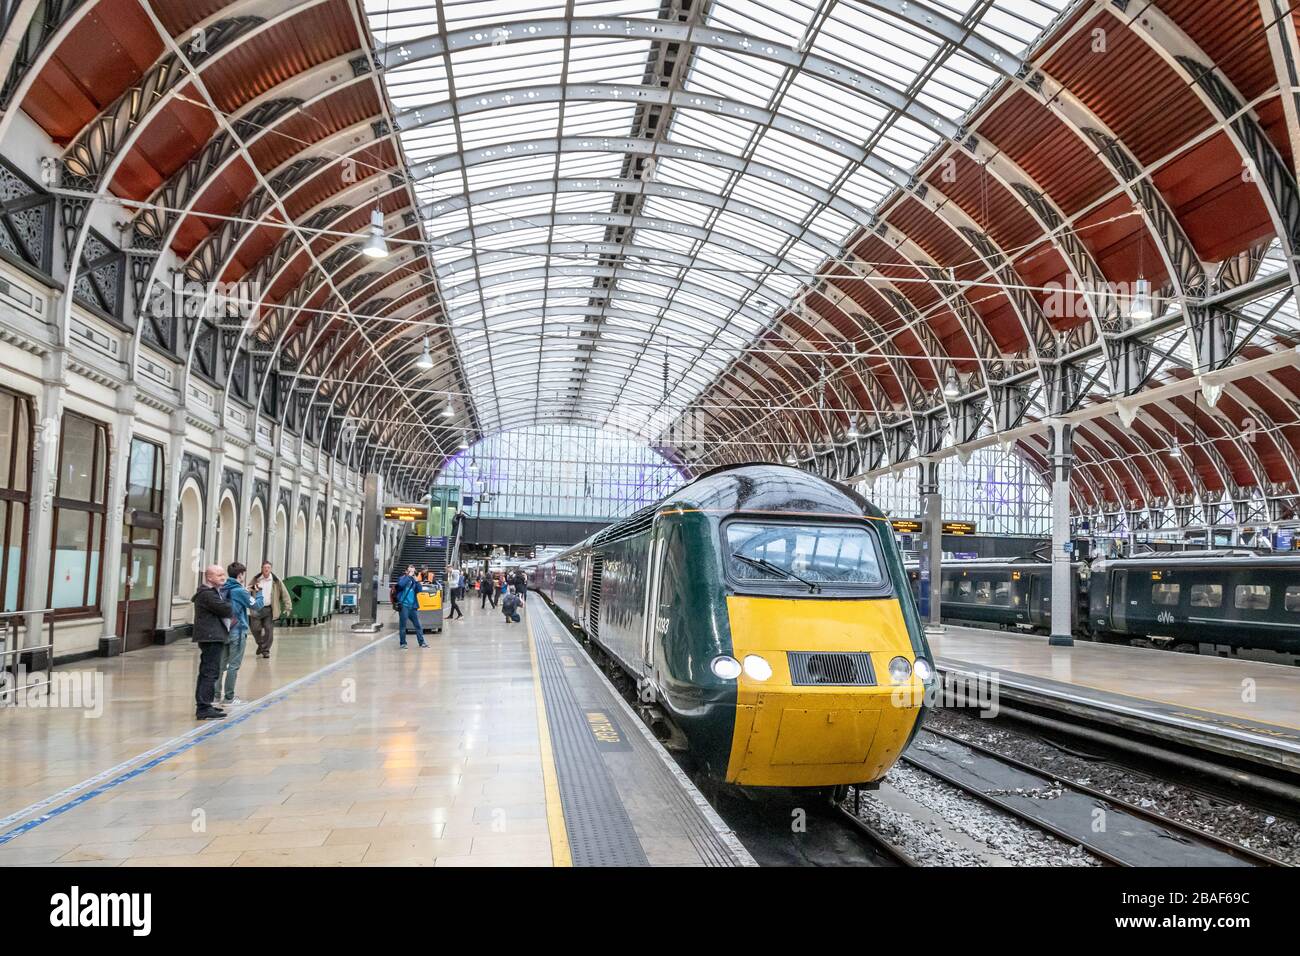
765,614
1222,601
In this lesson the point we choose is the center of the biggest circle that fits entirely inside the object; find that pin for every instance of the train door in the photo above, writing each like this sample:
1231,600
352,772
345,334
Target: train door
657,547
1119,601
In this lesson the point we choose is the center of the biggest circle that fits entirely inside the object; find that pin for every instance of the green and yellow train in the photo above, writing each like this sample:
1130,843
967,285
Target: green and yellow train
766,614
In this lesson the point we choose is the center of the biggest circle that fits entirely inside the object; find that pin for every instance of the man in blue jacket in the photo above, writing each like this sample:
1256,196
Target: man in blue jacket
240,602
408,607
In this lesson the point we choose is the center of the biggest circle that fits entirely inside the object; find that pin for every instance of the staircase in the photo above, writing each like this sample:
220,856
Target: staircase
414,552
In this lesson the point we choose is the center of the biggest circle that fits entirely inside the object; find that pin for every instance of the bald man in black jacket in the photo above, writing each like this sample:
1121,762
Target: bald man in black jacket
211,632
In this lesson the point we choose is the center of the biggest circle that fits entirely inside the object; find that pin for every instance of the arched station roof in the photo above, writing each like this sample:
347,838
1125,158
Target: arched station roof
850,233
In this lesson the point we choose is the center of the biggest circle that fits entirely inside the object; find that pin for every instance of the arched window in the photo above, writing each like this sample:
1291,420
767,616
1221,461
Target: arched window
15,496
560,471
79,515
256,534
189,548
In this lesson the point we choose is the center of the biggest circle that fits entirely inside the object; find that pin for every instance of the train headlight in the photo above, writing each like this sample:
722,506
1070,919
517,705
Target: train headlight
923,670
900,669
757,668
724,667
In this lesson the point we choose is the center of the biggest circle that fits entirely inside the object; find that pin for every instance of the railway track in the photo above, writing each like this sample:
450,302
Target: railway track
1113,830
887,848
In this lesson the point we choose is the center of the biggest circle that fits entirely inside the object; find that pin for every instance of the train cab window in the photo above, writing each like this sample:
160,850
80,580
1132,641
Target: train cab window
797,556
1165,594
1253,597
1205,595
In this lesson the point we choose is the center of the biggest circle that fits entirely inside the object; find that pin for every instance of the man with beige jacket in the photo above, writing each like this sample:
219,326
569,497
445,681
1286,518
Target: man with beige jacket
275,602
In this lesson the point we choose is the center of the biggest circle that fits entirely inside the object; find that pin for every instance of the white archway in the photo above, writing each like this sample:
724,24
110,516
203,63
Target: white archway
298,565
280,541
256,543
227,530
189,534
344,553
312,564
329,560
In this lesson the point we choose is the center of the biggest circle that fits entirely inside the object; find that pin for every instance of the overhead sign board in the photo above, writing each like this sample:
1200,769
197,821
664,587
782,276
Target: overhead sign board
959,527
905,525
406,513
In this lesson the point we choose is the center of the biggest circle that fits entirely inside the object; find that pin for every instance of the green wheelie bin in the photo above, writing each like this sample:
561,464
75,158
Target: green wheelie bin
303,595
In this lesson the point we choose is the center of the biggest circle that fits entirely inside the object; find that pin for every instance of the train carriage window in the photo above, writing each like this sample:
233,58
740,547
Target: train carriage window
1292,598
1205,595
1253,597
964,589
947,589
794,555
1002,593
983,592
1164,593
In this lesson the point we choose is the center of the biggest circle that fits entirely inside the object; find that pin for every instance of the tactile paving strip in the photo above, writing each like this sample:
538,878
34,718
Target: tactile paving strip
714,843
600,831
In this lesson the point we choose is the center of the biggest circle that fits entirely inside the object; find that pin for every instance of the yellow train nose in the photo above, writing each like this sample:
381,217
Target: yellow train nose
830,713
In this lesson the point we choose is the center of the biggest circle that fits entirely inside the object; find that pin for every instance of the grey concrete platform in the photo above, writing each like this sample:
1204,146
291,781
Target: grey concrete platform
1241,708
625,801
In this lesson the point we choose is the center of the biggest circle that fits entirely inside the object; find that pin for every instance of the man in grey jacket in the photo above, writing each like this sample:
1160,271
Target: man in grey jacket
212,612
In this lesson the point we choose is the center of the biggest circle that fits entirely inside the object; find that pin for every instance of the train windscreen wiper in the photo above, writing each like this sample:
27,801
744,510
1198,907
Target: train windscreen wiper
765,565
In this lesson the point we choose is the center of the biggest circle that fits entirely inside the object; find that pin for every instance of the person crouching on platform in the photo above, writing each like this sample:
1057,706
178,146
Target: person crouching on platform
211,611
408,607
275,601
241,602
510,606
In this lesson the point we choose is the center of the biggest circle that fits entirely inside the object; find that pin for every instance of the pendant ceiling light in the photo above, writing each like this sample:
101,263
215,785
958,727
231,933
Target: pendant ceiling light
376,246
952,387
426,357
853,429
1140,306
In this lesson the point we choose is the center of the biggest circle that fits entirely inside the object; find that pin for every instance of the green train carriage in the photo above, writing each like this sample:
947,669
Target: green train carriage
766,612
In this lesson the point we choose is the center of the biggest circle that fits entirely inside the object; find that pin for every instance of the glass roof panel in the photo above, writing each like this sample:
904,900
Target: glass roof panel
610,198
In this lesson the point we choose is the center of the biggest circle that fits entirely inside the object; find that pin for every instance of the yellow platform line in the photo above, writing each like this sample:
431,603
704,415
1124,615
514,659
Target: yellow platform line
561,854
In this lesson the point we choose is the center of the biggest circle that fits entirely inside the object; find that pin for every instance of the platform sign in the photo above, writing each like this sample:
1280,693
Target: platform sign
959,527
905,525
467,501
1284,540
406,513
354,575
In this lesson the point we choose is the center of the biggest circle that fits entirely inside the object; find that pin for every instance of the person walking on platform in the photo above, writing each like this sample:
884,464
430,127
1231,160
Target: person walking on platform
510,606
499,589
486,591
241,602
454,593
275,601
521,585
408,607
211,612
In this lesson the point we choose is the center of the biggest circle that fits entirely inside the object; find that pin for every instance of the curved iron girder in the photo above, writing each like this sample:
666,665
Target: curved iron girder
154,228
268,269
714,158
92,159
1284,448
1108,452
397,55
1114,431
1277,185
30,43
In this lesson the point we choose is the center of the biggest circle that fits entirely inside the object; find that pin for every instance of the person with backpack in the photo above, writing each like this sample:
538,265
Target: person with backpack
408,607
510,606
